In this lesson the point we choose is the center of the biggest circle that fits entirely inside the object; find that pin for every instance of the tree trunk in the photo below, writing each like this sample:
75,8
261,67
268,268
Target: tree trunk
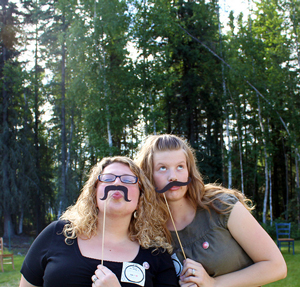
21,217
5,143
270,197
36,138
8,226
69,143
229,155
266,164
225,97
62,204
297,185
109,137
296,34
102,68
286,182
241,162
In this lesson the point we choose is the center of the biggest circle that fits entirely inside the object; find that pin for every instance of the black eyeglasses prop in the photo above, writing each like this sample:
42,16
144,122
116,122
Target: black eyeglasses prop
125,178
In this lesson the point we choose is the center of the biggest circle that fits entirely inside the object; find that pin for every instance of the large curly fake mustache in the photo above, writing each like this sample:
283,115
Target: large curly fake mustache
173,183
116,187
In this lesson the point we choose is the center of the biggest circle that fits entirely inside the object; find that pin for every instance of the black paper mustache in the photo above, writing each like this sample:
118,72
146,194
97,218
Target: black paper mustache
116,187
173,183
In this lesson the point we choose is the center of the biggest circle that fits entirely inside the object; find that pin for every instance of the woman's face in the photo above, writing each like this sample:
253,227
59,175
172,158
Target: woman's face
170,166
116,200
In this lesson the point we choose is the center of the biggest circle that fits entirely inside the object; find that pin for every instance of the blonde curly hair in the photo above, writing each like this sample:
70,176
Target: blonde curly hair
148,227
199,194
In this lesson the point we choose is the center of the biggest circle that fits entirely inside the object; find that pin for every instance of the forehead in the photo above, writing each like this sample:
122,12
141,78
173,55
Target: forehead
169,157
117,168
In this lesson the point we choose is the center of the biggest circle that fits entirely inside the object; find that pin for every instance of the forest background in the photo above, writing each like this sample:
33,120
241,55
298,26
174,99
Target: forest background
104,74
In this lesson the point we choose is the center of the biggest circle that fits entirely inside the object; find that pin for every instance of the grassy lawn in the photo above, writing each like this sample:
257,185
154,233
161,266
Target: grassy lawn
293,263
11,278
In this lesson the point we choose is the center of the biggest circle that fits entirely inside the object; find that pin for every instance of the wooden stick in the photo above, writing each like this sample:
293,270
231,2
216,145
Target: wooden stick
174,227
103,230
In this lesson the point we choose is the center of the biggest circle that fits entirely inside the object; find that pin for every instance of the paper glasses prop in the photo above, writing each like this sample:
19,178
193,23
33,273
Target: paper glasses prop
167,187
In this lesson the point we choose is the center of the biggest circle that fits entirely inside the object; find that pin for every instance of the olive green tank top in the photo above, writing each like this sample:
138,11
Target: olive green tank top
207,240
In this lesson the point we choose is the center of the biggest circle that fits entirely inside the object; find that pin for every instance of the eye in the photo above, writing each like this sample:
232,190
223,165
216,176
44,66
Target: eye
162,168
180,167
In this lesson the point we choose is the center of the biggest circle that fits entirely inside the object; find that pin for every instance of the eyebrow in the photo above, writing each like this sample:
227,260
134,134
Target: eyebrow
162,163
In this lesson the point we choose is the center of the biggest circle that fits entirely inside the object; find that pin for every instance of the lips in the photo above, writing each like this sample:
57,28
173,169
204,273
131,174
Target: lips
174,188
117,195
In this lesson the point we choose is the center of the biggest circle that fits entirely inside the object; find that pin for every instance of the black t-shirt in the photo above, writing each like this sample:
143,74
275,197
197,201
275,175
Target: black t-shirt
50,262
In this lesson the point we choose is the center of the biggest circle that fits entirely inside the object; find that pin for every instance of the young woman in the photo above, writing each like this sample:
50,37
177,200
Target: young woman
116,221
223,243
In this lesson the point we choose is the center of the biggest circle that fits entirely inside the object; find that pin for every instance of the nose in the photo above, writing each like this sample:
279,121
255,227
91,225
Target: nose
117,181
172,176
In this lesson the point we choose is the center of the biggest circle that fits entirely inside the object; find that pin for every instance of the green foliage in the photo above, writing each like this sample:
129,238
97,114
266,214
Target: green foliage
102,101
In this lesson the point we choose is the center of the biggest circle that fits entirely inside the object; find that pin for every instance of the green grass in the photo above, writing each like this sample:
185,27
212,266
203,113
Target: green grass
293,263
11,278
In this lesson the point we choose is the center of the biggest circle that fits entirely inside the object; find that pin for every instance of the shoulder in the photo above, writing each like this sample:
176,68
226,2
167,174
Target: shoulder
221,202
60,224
55,226
225,198
219,209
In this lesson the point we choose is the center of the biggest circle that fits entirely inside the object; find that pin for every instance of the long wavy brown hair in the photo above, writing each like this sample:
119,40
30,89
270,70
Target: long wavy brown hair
148,227
205,196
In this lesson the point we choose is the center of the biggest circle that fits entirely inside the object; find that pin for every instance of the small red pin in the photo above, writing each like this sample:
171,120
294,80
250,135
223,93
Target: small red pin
205,245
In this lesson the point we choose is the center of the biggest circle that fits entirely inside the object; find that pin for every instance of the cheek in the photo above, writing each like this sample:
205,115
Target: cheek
159,181
155,179
99,192
186,176
98,196
134,193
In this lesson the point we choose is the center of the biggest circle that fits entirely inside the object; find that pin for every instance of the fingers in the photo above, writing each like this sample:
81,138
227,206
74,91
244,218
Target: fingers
194,275
191,274
103,269
190,267
94,279
104,277
99,275
189,284
189,278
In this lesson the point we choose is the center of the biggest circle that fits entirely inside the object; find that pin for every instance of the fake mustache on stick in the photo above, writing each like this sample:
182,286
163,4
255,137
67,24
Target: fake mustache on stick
116,187
173,183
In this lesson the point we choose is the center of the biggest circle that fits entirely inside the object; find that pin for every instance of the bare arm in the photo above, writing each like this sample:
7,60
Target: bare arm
269,265
25,283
